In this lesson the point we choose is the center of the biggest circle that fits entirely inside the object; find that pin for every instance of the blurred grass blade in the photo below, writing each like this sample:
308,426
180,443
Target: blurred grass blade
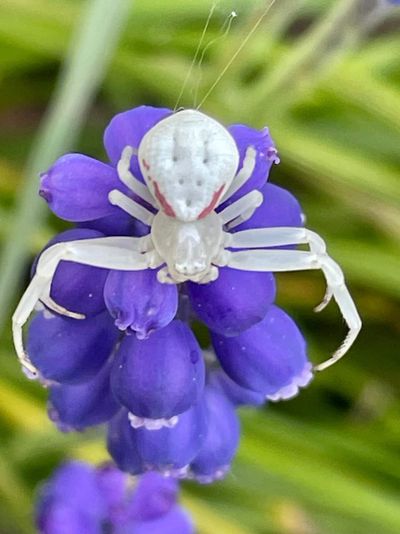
92,48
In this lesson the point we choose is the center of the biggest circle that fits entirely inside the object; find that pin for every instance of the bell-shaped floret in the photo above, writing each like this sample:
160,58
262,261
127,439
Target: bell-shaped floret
79,406
269,358
138,301
70,350
167,450
76,188
223,433
159,377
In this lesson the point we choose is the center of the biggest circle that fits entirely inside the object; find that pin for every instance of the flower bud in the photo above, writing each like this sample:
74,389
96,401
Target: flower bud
159,377
138,301
269,358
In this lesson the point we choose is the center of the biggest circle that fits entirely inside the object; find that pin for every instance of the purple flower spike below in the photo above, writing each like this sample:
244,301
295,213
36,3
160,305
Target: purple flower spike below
154,497
269,358
80,499
138,301
160,377
70,502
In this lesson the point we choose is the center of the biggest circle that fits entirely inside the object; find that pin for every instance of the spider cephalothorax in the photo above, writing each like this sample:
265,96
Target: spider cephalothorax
190,164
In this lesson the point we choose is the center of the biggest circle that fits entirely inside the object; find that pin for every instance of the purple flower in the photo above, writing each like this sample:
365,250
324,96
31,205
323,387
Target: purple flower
160,377
269,358
139,302
70,350
167,449
79,499
133,361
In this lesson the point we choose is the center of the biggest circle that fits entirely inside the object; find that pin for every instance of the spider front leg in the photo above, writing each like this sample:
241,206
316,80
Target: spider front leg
120,253
131,182
296,260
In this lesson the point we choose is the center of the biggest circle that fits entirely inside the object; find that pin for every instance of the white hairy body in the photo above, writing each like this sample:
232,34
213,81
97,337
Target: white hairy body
189,162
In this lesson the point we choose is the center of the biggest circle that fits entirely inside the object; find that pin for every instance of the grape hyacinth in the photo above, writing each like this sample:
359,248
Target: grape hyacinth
81,499
134,362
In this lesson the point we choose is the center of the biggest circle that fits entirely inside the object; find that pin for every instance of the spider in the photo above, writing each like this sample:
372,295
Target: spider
189,162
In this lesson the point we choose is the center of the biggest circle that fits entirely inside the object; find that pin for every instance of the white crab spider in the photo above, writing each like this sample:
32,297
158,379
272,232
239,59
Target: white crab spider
189,162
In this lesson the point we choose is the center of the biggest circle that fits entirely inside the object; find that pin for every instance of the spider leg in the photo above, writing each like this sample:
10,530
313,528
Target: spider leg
121,253
251,201
127,178
281,236
117,198
298,260
243,174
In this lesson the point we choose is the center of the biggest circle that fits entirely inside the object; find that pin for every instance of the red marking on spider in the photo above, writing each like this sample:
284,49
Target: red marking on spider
145,164
212,204
168,209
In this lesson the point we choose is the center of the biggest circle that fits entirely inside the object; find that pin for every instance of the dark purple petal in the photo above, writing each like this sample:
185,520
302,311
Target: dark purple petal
269,358
138,301
168,450
234,302
155,495
70,350
76,188
76,287
266,156
238,395
159,377
223,433
128,129
70,502
279,208
177,521
79,406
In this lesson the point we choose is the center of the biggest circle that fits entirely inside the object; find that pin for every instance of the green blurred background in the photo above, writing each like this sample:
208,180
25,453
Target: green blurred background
324,76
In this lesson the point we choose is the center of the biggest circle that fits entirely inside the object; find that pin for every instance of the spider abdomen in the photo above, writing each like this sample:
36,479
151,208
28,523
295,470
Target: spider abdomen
188,161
